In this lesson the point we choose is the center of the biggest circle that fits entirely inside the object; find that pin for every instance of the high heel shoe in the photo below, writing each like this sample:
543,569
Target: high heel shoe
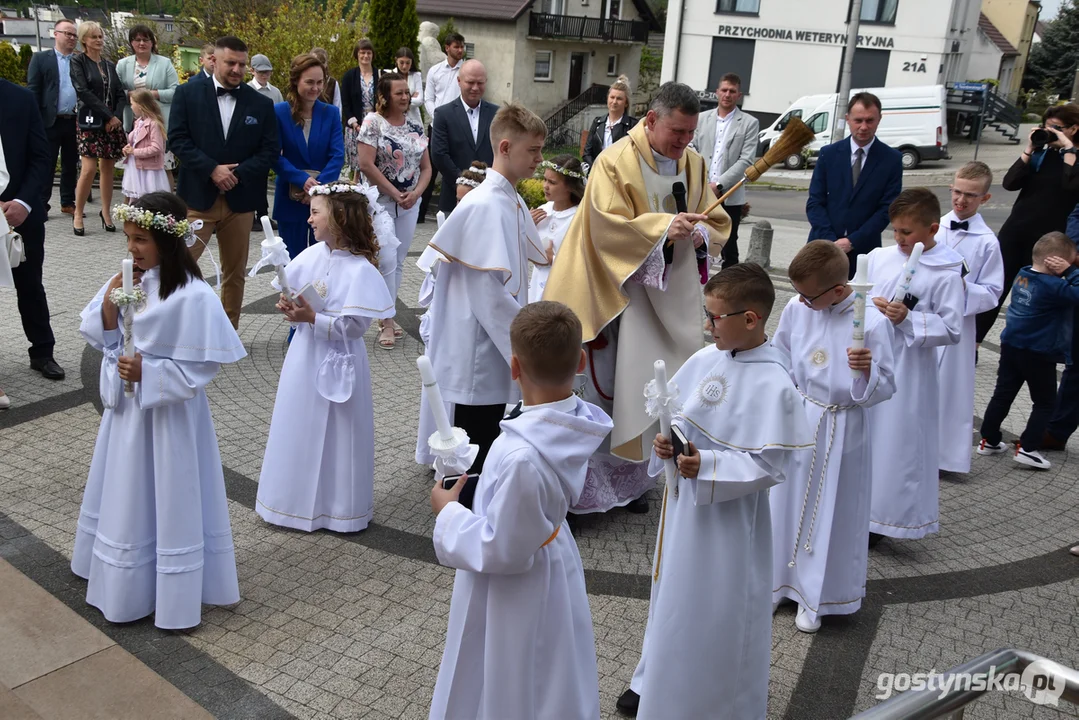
79,231
106,227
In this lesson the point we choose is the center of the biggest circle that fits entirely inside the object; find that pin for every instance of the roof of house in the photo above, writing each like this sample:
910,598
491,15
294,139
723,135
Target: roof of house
1040,27
991,32
83,13
506,9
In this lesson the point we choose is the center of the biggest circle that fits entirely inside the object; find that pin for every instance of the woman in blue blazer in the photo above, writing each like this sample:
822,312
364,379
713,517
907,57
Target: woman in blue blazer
312,150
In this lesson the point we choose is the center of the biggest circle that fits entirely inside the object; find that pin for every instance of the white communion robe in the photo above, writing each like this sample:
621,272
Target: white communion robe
319,466
825,501
519,643
708,641
905,430
153,534
983,284
552,229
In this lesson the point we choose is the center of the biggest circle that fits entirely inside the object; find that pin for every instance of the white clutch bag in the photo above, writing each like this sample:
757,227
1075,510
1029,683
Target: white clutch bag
14,249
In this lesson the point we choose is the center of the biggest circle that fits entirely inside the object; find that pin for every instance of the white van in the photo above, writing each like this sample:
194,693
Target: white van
914,122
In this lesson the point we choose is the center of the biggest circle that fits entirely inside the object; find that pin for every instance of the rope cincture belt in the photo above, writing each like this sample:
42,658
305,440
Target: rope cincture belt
553,536
829,411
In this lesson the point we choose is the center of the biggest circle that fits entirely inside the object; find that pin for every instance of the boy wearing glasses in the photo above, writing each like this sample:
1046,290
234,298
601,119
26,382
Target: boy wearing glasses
820,516
905,431
707,646
964,231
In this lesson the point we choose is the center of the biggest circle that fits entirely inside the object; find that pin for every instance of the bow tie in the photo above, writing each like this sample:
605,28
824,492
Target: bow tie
515,412
960,225
227,91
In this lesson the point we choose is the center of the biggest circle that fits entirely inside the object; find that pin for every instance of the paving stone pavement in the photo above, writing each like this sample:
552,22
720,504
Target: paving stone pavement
352,626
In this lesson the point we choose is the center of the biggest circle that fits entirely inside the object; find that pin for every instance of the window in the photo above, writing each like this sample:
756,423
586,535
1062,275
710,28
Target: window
614,9
818,123
880,12
612,65
787,118
168,27
739,7
731,55
544,64
470,50
551,7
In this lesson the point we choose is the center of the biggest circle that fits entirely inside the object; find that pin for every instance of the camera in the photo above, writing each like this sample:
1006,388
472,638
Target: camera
1041,137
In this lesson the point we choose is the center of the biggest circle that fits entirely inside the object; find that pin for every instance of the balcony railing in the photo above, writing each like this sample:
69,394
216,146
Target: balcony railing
579,27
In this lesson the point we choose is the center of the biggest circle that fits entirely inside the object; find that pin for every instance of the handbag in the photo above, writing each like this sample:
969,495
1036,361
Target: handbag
13,249
296,193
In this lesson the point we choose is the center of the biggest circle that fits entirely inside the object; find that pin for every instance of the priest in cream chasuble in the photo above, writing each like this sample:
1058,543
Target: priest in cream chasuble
631,267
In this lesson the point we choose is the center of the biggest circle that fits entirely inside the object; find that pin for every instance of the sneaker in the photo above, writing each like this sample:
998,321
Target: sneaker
803,623
1074,550
1031,458
987,448
628,702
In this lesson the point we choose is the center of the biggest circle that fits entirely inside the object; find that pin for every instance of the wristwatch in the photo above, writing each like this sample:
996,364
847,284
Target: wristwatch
1071,151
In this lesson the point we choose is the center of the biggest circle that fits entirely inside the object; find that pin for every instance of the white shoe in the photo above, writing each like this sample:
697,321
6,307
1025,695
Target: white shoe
1075,550
1031,458
5,401
985,448
803,623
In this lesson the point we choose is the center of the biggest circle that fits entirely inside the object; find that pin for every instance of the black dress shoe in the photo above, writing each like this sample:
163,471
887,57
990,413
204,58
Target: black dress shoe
638,506
628,702
48,368
874,538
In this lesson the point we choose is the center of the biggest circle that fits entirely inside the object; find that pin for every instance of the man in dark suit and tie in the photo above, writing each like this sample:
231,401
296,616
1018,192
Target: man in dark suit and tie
26,154
854,182
49,78
461,132
225,135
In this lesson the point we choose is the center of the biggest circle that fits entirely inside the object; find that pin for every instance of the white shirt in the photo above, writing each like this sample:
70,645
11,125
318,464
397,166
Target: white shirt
854,151
722,125
442,86
608,136
226,105
473,114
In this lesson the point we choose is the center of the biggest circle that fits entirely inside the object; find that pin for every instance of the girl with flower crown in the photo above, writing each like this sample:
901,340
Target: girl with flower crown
563,186
319,467
153,535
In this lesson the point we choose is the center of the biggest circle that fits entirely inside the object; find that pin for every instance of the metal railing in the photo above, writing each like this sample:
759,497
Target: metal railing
992,111
930,702
580,27
595,95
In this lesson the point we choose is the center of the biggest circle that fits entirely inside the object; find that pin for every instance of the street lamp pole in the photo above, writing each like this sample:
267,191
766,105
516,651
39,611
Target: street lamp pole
848,63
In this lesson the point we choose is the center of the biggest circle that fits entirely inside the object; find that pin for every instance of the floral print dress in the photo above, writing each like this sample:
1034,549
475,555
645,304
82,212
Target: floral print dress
398,149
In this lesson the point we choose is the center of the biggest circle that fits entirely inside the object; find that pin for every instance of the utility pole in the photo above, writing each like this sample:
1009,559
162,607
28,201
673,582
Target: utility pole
848,63
37,24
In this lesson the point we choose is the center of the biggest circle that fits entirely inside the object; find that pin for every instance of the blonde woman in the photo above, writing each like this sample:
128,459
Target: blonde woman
612,127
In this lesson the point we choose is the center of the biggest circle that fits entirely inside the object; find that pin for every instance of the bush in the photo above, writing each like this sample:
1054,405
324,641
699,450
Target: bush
447,28
531,189
394,24
25,53
9,65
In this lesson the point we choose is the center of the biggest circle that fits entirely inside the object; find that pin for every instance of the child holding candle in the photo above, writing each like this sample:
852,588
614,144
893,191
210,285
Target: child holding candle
708,641
153,535
1035,339
825,502
144,169
964,231
319,467
905,431
519,642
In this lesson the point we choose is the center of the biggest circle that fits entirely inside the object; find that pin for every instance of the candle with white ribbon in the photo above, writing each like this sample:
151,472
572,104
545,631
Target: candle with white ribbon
269,243
664,395
908,272
861,287
439,219
127,271
434,398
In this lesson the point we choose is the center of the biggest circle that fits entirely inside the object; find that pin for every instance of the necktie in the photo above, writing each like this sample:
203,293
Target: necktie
956,225
856,169
515,412
227,91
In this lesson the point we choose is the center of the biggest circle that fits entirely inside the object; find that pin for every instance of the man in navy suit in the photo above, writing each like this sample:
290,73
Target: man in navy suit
225,135
26,154
49,78
461,132
854,182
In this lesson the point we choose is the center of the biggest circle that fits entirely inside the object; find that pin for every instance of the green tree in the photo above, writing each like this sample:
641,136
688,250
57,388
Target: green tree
647,78
447,28
394,24
1052,62
25,53
9,65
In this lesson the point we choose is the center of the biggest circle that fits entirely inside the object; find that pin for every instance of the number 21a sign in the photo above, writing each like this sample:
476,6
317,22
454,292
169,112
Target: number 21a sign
917,67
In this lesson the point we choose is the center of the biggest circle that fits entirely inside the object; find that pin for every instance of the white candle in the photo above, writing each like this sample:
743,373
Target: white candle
439,219
128,270
662,388
861,286
267,228
434,398
908,272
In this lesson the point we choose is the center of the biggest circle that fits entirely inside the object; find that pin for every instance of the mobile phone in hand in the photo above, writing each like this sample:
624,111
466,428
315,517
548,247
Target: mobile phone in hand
468,492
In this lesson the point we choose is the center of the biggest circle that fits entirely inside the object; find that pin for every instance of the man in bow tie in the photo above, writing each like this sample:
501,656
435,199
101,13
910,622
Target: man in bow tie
225,135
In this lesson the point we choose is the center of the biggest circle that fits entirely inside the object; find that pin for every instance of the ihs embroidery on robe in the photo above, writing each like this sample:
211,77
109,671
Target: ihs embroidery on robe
819,358
713,391
320,288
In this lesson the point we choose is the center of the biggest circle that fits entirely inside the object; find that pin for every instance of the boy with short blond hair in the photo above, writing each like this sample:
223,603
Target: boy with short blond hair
1034,340
964,231
487,243
905,431
707,645
519,642
820,516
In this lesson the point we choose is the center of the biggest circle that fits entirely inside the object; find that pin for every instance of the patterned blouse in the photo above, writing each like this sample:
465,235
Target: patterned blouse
399,149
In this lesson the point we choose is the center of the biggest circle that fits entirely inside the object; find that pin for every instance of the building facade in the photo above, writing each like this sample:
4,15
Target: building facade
543,53
1016,20
784,49
993,57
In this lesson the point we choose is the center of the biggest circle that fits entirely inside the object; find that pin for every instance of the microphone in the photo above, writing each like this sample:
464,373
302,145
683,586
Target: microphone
678,190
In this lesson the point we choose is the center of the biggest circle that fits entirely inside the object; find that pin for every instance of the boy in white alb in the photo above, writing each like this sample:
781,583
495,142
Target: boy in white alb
964,231
486,244
824,505
905,430
519,642
707,645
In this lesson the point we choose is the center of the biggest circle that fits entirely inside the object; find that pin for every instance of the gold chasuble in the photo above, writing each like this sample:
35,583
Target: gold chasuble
625,213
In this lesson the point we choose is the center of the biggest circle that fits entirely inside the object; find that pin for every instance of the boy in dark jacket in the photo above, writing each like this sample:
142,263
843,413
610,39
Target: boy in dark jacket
1036,337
